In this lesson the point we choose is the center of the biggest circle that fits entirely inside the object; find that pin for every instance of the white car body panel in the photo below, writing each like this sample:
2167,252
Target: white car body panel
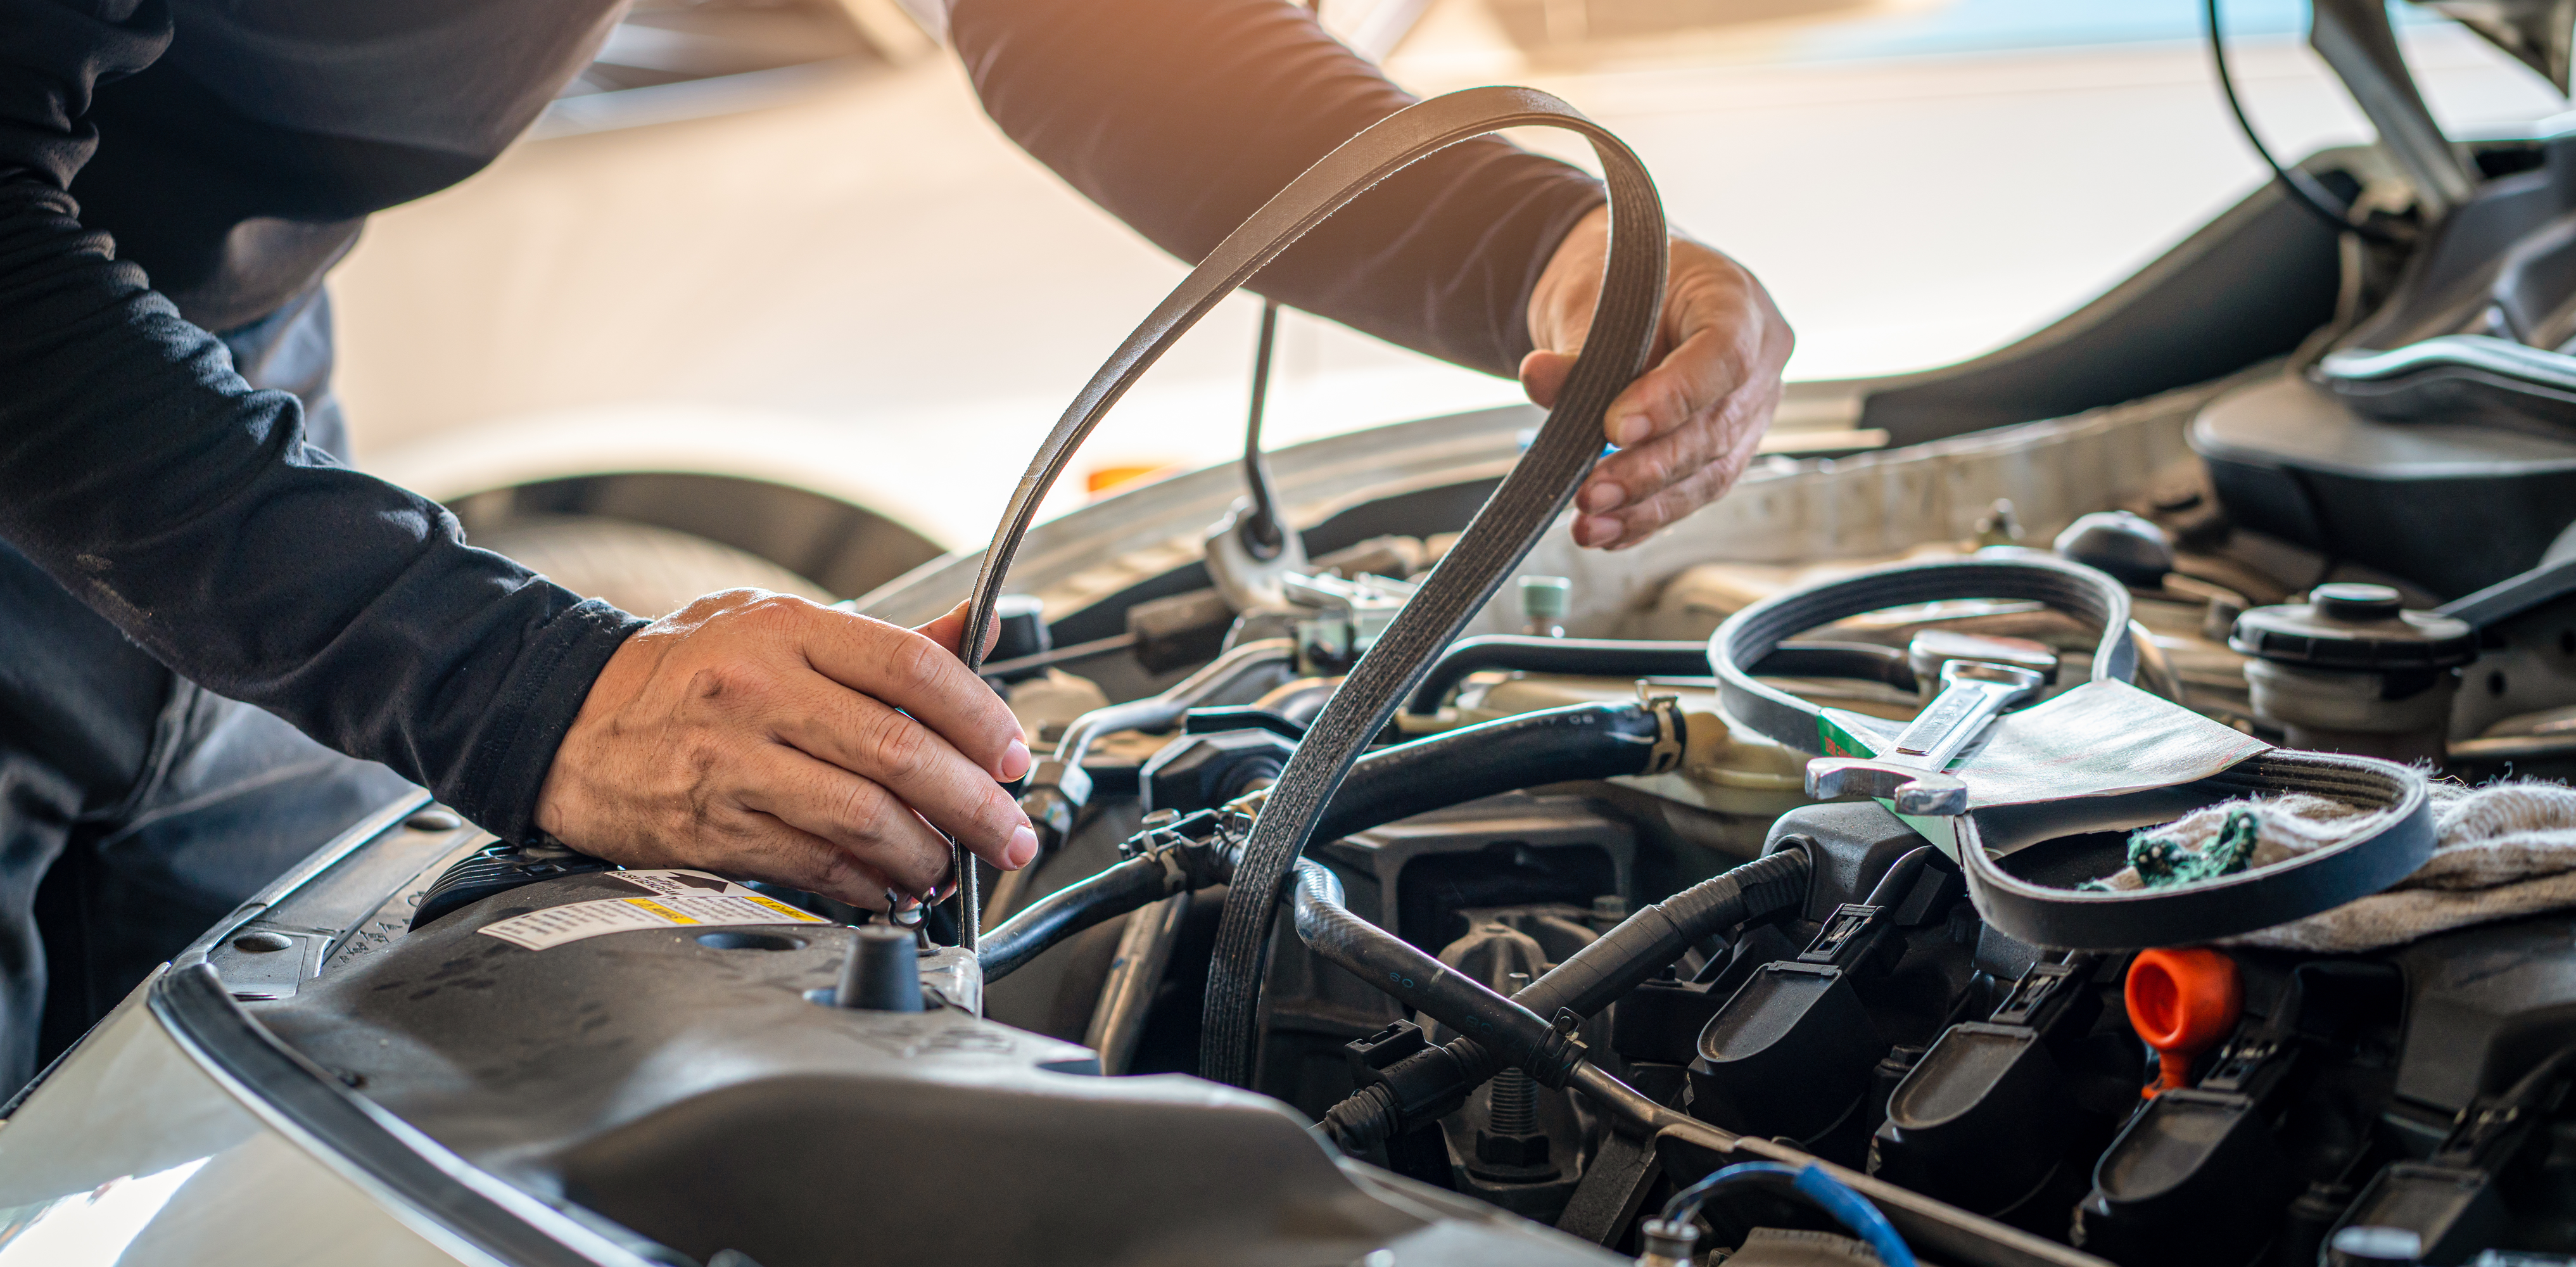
134,1156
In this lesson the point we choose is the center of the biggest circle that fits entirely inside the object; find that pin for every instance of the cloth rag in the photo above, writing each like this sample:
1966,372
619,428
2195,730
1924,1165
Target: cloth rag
2502,850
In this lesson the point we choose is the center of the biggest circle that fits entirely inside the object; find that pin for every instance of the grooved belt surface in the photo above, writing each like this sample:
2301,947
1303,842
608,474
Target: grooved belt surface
1529,500
1754,632
2089,787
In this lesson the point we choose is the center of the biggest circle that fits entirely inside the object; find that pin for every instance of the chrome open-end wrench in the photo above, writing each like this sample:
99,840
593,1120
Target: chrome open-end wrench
1973,694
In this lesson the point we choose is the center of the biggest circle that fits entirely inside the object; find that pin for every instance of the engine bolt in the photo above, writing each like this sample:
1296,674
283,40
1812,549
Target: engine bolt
1515,1104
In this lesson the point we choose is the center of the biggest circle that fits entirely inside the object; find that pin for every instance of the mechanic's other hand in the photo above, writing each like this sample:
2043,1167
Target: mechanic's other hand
762,736
1688,426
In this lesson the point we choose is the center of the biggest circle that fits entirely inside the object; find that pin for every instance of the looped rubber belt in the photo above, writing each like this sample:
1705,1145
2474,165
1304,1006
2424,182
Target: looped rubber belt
2075,919
2261,897
1531,497
1758,630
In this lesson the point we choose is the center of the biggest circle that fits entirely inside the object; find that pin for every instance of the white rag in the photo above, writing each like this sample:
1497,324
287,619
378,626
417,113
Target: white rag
2502,850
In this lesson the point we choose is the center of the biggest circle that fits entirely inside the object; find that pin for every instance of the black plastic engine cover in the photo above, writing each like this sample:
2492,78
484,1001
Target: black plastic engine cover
680,1083
2450,507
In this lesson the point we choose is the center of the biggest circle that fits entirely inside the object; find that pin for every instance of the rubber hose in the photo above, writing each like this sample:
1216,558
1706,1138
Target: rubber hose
1651,940
1590,657
1584,741
1164,711
1115,890
1866,661
1625,657
1580,741
1420,982
1592,978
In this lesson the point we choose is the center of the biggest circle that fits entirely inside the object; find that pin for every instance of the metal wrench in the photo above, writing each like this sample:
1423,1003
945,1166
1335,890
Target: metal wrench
1911,773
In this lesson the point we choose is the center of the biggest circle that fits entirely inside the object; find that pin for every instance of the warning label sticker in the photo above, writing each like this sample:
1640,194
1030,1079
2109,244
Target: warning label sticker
683,899
679,883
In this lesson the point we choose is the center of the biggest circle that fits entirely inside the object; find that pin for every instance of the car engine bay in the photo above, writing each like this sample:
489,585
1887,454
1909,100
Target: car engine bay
2017,846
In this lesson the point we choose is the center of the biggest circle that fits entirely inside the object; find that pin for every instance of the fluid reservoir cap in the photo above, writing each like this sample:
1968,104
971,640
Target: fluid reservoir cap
2354,602
2351,626
1546,597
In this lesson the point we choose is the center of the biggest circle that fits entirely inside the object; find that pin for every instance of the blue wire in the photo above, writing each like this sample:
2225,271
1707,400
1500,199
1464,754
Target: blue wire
1857,1213
1687,1202
1849,1208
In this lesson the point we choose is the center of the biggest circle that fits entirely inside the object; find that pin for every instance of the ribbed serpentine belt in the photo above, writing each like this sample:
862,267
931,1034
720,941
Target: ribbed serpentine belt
1529,500
2102,755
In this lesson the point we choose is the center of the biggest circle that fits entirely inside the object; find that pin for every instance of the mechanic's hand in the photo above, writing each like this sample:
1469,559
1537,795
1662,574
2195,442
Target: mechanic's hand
757,735
1688,426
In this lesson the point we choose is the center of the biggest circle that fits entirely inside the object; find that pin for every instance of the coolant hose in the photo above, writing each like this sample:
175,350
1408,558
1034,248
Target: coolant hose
1590,979
1556,745
1588,657
1633,657
1583,741
1513,1032
1115,890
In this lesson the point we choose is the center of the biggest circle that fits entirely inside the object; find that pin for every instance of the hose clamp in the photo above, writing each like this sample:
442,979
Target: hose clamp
1672,733
1553,1064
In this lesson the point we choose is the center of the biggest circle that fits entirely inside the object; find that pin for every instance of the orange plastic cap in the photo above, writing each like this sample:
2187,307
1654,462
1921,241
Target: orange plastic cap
1101,481
2182,1002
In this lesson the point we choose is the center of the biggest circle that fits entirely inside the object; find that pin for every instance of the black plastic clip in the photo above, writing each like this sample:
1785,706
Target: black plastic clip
1846,936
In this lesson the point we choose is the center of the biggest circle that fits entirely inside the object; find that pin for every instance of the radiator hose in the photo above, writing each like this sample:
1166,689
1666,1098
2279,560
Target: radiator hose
1584,741
1433,1083
1113,891
1556,745
1632,657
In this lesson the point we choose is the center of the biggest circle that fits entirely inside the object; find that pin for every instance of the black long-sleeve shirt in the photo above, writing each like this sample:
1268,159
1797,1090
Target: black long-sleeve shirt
154,187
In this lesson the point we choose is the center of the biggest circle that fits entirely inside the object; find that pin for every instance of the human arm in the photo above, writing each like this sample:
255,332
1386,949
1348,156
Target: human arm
142,473
1183,116
1689,425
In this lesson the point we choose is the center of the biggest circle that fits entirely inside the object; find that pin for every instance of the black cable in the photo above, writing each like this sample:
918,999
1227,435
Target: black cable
2302,188
1263,533
1633,657
1518,1036
1122,887
1431,1083
1580,741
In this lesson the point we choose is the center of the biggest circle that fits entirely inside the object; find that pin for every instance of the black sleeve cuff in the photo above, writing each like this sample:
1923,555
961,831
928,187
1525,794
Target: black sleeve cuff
535,707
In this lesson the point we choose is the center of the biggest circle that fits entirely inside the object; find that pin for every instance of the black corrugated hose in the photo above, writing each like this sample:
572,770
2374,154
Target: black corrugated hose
1429,1084
1514,1033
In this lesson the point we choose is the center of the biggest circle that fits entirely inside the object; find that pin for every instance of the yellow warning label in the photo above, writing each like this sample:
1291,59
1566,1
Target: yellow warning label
576,921
663,911
778,906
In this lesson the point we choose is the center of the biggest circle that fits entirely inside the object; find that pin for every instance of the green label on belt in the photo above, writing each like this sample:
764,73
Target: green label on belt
1839,742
